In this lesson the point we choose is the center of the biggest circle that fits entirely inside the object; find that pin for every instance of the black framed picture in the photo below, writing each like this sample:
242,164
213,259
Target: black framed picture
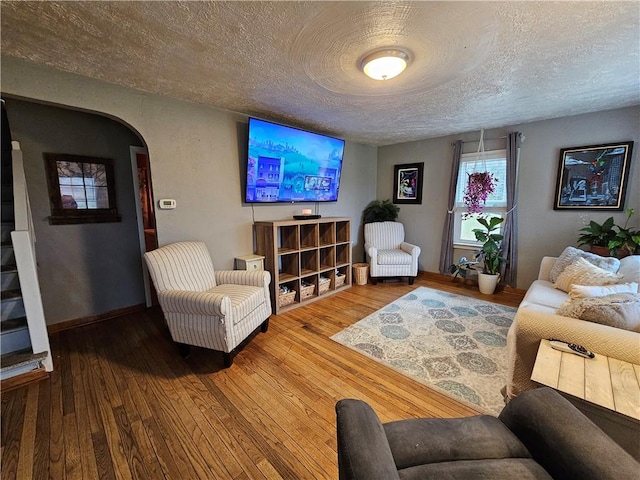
81,189
593,177
407,183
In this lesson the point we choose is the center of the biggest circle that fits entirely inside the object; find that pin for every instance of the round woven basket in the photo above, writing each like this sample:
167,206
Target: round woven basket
360,273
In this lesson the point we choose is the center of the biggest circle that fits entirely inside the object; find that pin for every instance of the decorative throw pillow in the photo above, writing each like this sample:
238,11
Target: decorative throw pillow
583,291
620,310
630,268
571,254
582,272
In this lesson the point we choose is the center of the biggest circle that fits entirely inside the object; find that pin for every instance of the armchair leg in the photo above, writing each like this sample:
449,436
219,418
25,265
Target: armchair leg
374,280
184,350
411,280
265,326
228,359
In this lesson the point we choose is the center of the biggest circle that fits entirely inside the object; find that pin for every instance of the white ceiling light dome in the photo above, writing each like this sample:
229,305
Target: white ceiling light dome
385,64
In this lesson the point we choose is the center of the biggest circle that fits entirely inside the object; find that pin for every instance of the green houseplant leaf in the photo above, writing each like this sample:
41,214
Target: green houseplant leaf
491,253
626,240
380,211
596,234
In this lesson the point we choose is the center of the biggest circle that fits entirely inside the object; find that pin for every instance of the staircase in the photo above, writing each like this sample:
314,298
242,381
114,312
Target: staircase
24,344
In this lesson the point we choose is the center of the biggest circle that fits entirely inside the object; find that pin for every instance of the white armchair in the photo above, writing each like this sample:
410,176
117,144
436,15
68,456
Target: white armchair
205,308
388,255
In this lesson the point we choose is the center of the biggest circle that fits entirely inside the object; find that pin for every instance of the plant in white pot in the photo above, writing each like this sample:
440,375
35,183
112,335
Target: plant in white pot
490,255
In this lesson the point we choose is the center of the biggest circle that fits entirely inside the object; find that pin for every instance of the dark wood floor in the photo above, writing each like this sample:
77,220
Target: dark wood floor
122,404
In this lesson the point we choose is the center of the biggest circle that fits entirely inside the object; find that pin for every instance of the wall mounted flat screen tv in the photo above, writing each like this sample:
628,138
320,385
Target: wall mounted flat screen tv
286,164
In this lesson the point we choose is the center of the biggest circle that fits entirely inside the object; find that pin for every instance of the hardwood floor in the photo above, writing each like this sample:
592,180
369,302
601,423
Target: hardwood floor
122,404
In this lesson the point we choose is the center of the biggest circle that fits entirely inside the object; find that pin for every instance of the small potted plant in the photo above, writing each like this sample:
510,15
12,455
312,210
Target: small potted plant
463,267
598,236
626,241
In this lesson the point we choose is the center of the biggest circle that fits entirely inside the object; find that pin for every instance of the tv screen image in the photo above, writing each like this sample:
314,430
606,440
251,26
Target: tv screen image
285,164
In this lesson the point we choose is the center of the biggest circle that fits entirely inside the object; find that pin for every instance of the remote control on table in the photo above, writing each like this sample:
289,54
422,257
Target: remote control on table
571,348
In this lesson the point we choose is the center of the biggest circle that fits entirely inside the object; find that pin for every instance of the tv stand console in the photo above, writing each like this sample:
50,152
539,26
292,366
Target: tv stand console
309,257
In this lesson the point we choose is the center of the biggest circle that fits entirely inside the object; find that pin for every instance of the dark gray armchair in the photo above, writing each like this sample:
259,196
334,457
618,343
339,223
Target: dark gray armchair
539,435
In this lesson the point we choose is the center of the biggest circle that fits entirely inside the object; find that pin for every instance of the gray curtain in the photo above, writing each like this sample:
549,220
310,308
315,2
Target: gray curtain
446,247
510,230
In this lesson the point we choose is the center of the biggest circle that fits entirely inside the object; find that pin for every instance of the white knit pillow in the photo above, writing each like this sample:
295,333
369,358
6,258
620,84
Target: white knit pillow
581,272
620,310
571,254
584,291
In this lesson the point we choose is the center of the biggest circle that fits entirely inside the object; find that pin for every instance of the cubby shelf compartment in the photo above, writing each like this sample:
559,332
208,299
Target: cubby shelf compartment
327,233
288,266
308,236
308,262
288,239
327,258
343,232
342,254
305,252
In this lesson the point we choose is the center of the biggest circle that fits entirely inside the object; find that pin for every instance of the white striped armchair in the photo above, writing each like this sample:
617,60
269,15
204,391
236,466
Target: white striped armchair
388,255
205,308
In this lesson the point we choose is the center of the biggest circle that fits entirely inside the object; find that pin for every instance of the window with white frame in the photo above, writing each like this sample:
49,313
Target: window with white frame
494,162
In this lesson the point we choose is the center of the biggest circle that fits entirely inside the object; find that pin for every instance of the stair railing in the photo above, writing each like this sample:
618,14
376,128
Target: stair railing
23,240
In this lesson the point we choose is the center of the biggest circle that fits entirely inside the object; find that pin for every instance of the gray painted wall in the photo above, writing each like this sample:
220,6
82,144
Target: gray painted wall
86,269
542,230
195,158
196,155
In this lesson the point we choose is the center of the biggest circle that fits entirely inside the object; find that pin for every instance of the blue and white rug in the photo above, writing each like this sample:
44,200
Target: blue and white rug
452,343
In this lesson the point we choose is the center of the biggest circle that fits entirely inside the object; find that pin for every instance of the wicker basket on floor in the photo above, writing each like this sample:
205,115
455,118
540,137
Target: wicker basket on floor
323,285
360,273
285,299
306,292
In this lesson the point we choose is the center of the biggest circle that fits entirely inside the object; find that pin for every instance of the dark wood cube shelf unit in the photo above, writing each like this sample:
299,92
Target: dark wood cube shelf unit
301,253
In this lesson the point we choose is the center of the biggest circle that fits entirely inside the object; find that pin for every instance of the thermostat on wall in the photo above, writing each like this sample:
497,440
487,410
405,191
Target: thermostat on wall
167,204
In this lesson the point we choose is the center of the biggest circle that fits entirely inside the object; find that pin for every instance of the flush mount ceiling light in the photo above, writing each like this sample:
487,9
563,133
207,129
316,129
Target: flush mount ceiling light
385,64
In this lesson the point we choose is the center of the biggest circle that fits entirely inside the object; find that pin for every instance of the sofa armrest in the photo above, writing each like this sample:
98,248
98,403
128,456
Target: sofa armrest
363,449
545,268
254,278
531,326
370,250
194,303
564,441
411,249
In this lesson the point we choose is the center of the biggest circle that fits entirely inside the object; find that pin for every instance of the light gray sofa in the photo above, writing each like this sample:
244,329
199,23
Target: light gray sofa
536,319
538,435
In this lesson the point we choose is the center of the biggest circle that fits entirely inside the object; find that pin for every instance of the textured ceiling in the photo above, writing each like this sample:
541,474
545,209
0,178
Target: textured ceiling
475,64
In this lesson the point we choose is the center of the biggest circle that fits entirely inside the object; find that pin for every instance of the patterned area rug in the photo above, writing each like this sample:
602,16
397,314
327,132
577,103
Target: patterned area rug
452,343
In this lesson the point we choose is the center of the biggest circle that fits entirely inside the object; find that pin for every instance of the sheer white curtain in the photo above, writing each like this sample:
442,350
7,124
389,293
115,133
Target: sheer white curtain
446,247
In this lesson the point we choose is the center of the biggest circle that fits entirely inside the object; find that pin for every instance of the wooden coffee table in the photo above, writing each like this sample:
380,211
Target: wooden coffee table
598,387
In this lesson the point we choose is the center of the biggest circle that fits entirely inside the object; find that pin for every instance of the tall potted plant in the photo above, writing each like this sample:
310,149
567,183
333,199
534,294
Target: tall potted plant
490,255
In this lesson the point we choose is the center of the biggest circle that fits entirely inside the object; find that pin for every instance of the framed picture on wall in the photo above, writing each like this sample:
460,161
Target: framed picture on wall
593,177
407,183
81,189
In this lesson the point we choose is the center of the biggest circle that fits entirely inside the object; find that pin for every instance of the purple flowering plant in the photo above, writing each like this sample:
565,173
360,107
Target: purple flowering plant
479,187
